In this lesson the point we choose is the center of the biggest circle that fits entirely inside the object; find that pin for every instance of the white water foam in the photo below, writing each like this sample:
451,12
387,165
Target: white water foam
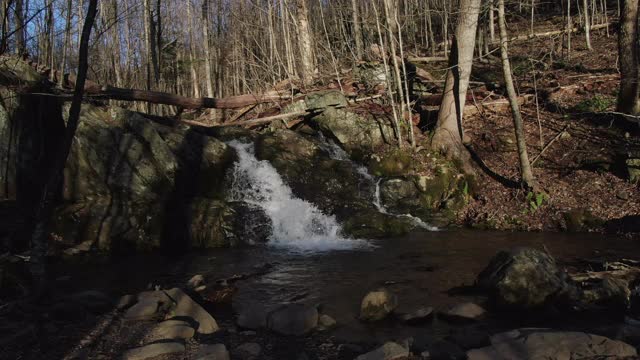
296,224
337,153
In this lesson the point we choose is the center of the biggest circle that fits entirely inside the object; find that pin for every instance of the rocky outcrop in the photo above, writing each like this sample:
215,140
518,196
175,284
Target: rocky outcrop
530,344
331,184
358,135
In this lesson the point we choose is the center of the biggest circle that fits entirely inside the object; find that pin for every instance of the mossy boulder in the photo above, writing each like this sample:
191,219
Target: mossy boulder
394,163
358,135
581,220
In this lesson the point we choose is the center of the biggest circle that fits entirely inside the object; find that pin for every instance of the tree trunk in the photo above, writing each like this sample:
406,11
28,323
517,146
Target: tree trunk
45,207
207,48
449,134
628,102
21,46
304,40
357,32
587,23
525,166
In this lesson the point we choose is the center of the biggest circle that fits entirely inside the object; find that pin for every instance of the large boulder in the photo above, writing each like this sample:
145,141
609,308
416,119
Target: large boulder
293,319
524,278
132,183
534,344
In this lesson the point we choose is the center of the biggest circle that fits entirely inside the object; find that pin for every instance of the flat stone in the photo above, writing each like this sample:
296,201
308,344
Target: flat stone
533,344
172,329
253,317
418,317
326,321
145,309
389,351
185,306
153,350
212,352
293,319
248,351
377,305
464,312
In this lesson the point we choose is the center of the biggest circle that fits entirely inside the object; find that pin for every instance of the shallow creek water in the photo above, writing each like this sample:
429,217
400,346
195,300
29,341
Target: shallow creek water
423,269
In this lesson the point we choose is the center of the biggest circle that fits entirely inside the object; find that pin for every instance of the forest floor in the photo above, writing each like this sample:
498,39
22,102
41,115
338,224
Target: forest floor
581,170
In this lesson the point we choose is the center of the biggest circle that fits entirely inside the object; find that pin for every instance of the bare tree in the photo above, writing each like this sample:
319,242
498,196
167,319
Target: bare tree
449,133
525,165
304,41
628,97
44,210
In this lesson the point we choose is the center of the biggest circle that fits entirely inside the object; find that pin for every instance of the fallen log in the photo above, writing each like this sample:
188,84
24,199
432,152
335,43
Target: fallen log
552,33
265,120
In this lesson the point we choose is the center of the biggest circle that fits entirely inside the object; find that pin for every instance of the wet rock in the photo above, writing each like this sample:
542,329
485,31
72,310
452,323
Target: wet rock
248,351
417,317
464,312
253,317
326,322
172,329
293,319
581,220
212,352
470,338
195,282
125,302
153,350
377,305
523,278
611,293
184,306
250,224
633,169
389,351
530,344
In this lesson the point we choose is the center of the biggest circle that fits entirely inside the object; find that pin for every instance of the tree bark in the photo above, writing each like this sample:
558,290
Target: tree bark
525,166
44,209
449,133
357,31
628,96
304,41
207,48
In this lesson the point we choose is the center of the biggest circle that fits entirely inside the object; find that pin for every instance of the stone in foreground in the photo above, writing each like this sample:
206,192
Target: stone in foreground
153,350
464,312
417,317
534,344
252,317
172,329
389,351
523,278
186,307
377,305
293,319
248,351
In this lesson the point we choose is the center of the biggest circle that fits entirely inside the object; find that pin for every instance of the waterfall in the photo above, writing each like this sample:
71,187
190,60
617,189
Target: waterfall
296,224
337,153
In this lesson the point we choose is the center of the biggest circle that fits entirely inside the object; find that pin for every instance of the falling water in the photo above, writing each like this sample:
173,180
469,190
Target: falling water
337,153
296,224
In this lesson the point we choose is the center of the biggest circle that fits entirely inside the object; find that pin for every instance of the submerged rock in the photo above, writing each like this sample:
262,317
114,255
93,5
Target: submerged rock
253,317
532,344
388,351
248,351
418,316
293,319
523,278
377,305
464,312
